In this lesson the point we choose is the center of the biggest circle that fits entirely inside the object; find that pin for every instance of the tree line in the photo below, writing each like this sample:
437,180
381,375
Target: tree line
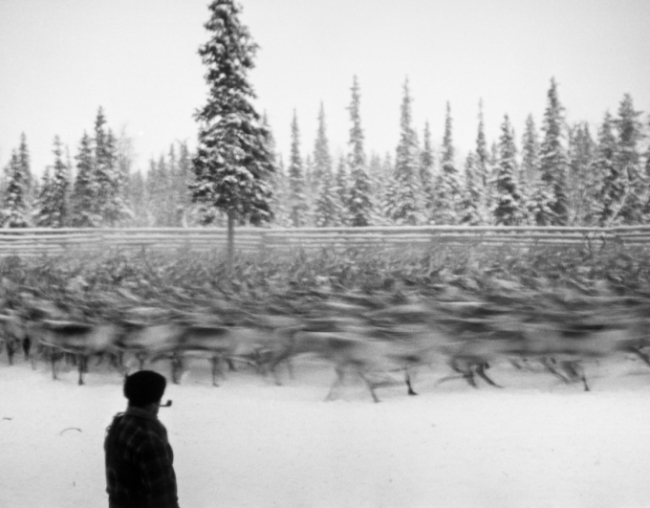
565,175
559,175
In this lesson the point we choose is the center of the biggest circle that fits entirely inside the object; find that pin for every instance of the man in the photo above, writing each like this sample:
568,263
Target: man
139,459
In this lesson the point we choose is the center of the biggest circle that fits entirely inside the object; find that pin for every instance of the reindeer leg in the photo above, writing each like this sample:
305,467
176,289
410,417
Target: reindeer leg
27,346
214,362
576,372
340,373
370,385
407,379
10,352
467,373
81,361
547,363
53,363
480,370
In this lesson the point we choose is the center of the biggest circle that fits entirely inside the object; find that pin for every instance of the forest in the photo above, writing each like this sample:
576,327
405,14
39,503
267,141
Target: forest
563,174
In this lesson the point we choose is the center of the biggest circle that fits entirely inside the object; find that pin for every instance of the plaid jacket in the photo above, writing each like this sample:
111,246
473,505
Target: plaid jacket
139,462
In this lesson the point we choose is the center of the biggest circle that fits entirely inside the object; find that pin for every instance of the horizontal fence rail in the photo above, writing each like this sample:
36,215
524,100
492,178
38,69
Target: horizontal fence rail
40,241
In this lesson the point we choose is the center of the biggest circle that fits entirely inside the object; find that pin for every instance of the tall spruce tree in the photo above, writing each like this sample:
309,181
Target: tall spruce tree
326,212
297,185
359,205
233,164
609,185
84,191
55,212
427,159
553,159
448,185
25,165
530,153
628,161
471,207
342,189
14,206
507,207
322,156
406,207
43,206
580,174
107,179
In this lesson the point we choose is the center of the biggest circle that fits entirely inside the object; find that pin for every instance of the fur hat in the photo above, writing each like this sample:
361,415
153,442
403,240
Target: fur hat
144,387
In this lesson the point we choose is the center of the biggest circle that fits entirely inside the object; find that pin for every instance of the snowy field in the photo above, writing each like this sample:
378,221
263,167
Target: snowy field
248,443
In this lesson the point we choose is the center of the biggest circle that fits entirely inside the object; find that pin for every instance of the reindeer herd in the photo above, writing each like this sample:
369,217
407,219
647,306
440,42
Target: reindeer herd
379,338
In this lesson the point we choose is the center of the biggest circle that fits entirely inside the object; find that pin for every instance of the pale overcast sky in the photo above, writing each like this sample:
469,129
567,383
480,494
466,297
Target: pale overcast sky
61,59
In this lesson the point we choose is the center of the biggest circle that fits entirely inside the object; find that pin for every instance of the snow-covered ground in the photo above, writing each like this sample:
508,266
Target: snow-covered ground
248,443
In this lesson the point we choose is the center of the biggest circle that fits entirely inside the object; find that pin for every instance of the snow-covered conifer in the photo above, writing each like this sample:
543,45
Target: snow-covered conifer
628,161
359,205
553,159
406,204
84,191
326,211
471,210
297,185
507,206
14,206
42,207
427,158
448,185
530,152
55,212
342,189
610,186
233,164
580,174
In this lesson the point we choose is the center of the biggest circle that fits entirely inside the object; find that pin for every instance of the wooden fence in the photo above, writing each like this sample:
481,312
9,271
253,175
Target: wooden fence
40,241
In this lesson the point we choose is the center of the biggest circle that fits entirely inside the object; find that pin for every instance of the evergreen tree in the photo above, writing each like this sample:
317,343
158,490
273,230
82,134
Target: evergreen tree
43,210
580,175
186,176
471,209
448,186
278,181
482,153
610,185
326,211
553,160
359,203
406,207
233,164
25,166
322,157
106,175
14,207
507,206
426,173
342,190
530,153
628,161
280,197
83,208
60,188
297,196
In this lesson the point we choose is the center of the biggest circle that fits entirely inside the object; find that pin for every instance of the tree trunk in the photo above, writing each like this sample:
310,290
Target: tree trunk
231,239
